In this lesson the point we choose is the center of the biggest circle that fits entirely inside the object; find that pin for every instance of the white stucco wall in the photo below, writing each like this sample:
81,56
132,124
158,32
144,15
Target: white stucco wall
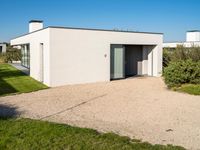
34,26
75,56
3,47
193,36
83,56
34,39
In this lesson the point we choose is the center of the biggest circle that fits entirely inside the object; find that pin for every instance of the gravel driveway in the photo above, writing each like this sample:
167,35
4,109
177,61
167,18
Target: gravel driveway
141,108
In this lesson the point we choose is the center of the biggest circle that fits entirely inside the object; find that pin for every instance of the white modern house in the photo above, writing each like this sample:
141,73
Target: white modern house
192,39
2,47
61,55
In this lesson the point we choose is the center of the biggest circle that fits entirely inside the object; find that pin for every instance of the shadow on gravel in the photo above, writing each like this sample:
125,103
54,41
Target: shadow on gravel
7,112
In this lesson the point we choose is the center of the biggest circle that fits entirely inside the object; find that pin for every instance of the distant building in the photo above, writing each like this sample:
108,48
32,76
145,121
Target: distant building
192,39
2,47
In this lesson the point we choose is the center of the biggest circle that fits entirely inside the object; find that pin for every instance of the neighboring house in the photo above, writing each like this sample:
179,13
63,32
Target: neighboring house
192,39
61,55
2,47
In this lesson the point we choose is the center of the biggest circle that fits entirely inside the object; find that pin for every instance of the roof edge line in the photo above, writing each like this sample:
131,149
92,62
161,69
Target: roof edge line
87,29
30,33
93,29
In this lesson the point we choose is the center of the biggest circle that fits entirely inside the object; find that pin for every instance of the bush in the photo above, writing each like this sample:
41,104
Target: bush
180,53
166,57
194,53
12,54
182,72
2,58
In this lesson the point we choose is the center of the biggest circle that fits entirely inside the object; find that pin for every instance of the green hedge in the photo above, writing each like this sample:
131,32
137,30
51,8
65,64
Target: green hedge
182,72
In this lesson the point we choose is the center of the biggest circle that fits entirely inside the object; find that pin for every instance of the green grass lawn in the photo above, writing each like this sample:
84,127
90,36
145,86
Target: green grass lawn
29,134
190,89
13,81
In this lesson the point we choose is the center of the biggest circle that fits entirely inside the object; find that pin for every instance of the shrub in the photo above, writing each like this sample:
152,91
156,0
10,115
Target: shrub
194,53
12,54
180,53
2,58
182,72
166,57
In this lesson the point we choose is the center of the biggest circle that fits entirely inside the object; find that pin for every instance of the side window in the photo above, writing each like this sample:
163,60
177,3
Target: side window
1,49
26,56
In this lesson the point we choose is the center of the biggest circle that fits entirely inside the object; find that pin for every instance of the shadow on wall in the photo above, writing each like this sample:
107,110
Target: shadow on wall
7,112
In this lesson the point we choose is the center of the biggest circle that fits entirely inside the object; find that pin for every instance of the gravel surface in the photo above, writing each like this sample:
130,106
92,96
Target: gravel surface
140,108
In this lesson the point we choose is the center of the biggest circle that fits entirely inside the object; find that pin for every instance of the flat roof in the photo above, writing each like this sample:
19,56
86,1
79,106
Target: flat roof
90,29
93,29
192,42
193,31
38,21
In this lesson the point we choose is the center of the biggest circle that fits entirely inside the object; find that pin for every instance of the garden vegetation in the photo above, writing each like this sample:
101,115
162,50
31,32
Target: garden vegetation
12,54
182,69
26,134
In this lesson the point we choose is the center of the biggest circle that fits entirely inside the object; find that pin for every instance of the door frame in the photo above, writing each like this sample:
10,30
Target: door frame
111,48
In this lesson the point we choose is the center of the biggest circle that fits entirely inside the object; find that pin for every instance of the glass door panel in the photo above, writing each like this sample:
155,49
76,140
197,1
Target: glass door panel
117,61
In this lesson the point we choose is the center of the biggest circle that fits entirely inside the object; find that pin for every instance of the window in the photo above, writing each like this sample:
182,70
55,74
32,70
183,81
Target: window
1,49
25,55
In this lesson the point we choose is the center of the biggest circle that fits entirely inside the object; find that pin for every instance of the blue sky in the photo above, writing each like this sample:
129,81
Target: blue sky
171,17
